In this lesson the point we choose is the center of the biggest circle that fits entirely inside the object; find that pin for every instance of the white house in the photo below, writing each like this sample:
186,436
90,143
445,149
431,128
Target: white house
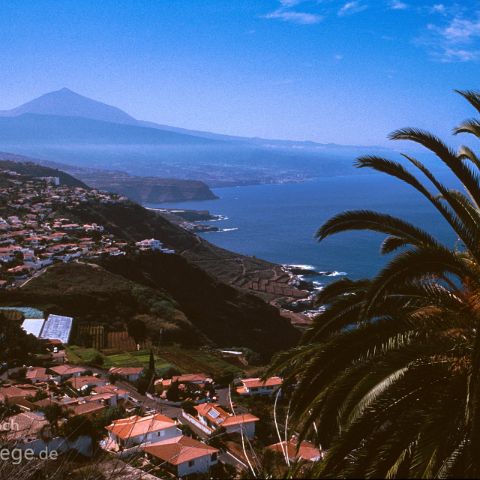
82,383
214,416
65,371
135,430
256,386
132,374
149,244
183,455
110,393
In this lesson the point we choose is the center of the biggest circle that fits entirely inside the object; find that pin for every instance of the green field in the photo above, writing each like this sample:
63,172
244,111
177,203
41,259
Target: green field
194,361
184,360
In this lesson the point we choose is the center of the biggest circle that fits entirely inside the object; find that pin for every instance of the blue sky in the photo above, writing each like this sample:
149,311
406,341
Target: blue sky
326,70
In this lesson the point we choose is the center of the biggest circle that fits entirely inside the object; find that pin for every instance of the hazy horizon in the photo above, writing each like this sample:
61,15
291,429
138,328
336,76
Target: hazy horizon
345,72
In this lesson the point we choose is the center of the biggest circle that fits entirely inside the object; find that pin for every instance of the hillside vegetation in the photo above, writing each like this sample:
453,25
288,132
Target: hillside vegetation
224,314
12,162
163,296
132,222
90,293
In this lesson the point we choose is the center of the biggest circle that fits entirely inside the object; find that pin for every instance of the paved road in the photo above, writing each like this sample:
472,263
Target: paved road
149,403
35,275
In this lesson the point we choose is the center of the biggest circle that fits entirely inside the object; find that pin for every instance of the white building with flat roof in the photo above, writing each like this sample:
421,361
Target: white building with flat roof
57,327
33,326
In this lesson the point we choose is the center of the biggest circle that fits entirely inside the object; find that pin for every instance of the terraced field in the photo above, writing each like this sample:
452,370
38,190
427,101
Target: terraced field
186,361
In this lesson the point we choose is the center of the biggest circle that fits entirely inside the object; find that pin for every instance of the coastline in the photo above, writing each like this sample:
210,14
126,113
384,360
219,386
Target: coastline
296,301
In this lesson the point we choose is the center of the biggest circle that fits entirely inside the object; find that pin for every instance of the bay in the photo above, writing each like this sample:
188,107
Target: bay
278,222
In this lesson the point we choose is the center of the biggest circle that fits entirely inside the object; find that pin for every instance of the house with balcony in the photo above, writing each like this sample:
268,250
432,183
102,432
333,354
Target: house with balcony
213,416
135,430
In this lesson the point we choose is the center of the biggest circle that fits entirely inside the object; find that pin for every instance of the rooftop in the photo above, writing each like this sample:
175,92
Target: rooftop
179,450
305,451
257,382
133,426
217,415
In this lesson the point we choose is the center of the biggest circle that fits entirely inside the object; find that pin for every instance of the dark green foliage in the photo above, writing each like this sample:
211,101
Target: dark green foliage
173,393
390,371
79,426
143,384
98,360
188,405
15,344
106,417
137,329
226,378
24,167
151,363
6,410
53,413
39,395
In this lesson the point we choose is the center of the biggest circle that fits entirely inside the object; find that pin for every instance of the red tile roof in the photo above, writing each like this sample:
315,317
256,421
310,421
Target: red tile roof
239,419
37,373
15,391
135,425
179,450
110,389
86,408
80,382
124,371
27,425
306,450
218,416
257,382
67,369
190,378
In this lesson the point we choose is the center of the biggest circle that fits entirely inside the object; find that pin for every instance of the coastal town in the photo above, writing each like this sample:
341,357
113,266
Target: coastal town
150,421
34,236
178,426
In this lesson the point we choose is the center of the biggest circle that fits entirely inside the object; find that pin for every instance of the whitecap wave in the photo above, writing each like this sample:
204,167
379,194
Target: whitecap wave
335,274
303,267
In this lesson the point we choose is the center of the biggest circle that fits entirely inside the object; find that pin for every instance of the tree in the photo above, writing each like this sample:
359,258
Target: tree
151,374
151,363
188,406
15,343
173,393
137,329
97,360
391,369
53,413
78,426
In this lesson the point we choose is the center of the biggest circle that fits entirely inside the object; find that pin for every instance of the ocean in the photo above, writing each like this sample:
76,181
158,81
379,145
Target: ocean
278,222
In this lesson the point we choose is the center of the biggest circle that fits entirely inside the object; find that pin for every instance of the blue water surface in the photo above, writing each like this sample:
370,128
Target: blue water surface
278,222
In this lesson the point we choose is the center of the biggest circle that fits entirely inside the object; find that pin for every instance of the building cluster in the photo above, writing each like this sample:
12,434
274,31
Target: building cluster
176,427
162,435
33,235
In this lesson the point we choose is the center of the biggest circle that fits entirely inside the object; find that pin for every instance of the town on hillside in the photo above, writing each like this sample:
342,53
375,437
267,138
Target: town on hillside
33,235
132,409
132,419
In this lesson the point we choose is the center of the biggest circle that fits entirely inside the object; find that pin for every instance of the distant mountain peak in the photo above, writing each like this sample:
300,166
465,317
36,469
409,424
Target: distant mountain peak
67,103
